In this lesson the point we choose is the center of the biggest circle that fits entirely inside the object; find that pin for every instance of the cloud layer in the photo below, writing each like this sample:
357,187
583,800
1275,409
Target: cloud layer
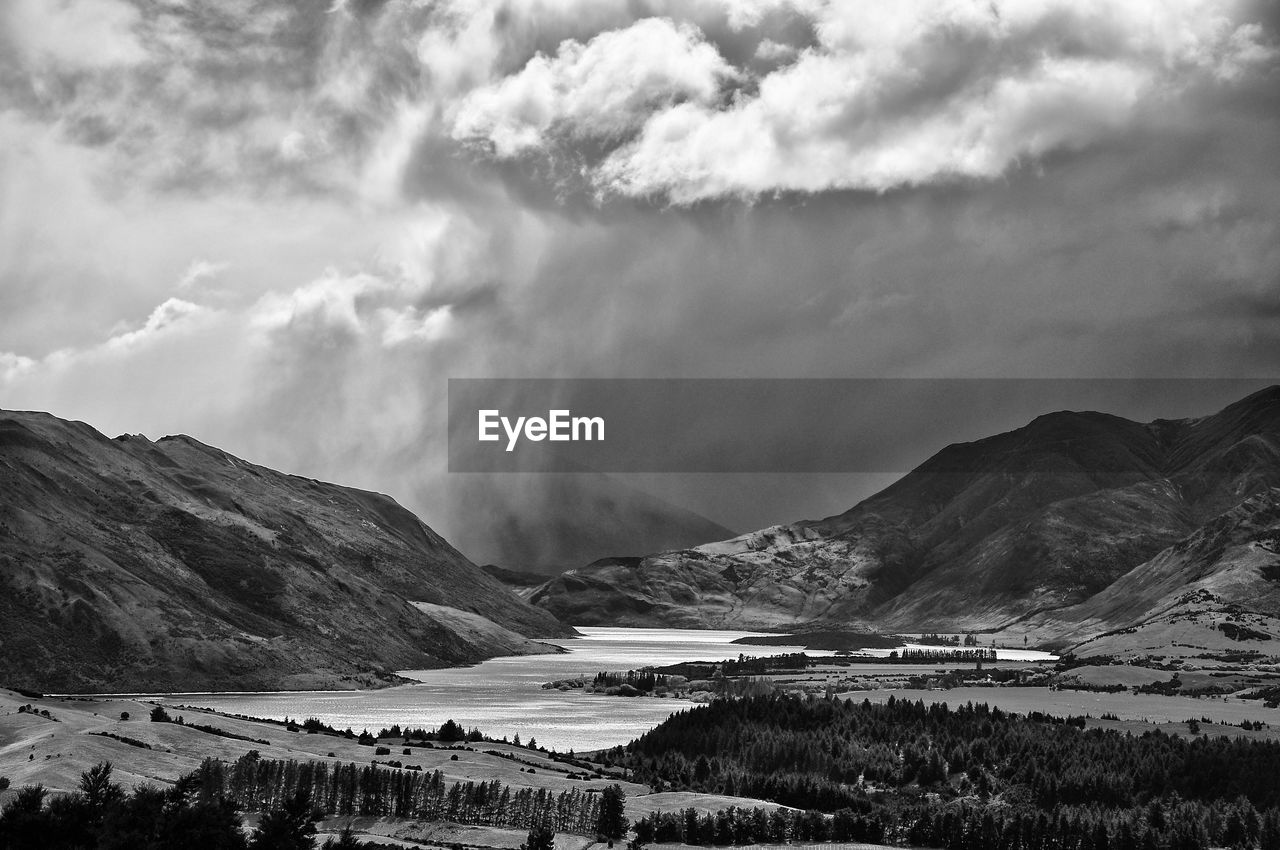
281,226
886,95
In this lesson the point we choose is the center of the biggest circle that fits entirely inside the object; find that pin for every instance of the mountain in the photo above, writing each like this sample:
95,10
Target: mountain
980,536
514,578
1214,595
132,565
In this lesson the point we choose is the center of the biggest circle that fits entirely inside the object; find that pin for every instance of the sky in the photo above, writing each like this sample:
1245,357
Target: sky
280,227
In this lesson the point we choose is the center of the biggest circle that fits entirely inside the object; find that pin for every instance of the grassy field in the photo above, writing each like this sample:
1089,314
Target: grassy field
677,801
405,833
1224,679
54,751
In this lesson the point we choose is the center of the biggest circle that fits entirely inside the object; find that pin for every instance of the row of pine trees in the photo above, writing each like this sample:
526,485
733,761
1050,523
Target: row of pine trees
256,784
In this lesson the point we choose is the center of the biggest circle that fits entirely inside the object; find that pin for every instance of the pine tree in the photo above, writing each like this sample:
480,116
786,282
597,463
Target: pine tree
541,837
290,827
612,822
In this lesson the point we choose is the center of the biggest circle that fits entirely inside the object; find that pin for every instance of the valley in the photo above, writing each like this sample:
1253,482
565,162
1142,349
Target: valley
1082,582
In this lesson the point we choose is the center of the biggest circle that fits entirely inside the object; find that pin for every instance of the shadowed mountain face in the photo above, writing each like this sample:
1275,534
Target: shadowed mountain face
127,564
1214,594
979,536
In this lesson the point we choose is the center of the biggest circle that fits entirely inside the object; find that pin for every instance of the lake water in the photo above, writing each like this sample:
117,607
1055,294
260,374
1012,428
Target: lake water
504,696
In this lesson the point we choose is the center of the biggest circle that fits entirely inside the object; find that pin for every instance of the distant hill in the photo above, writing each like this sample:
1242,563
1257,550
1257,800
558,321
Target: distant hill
514,578
980,537
127,564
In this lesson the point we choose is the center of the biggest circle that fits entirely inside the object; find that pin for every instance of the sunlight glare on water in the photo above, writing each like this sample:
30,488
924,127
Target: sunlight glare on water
504,696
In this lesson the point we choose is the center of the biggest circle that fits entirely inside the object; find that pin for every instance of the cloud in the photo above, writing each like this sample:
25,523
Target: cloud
892,95
410,325
411,191
603,90
769,50
73,35
14,365
200,273
327,307
169,316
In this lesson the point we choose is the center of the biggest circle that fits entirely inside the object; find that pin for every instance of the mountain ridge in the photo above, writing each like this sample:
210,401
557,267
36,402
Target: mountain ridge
131,564
980,536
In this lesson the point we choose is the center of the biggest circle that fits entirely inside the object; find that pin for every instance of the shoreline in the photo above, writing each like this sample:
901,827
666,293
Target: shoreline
378,684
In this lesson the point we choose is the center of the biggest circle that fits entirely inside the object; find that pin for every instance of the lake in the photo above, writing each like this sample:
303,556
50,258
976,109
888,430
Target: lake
504,696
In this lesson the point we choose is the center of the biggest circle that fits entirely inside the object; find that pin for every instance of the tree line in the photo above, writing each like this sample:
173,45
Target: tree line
203,808
191,815
933,776
737,825
257,784
930,656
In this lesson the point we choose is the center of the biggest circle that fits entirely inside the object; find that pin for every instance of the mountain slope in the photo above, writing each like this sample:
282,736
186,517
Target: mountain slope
1212,595
980,535
128,564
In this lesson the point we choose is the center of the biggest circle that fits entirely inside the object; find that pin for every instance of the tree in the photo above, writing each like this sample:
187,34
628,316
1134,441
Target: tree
451,731
290,827
124,715
612,822
98,789
159,715
22,823
185,825
645,832
541,837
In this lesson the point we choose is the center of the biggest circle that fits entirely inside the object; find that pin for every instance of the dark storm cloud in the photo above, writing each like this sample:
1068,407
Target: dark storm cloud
396,193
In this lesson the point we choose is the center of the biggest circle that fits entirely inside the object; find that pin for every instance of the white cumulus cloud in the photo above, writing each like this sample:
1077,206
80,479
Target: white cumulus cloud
170,314
889,95
410,325
604,89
